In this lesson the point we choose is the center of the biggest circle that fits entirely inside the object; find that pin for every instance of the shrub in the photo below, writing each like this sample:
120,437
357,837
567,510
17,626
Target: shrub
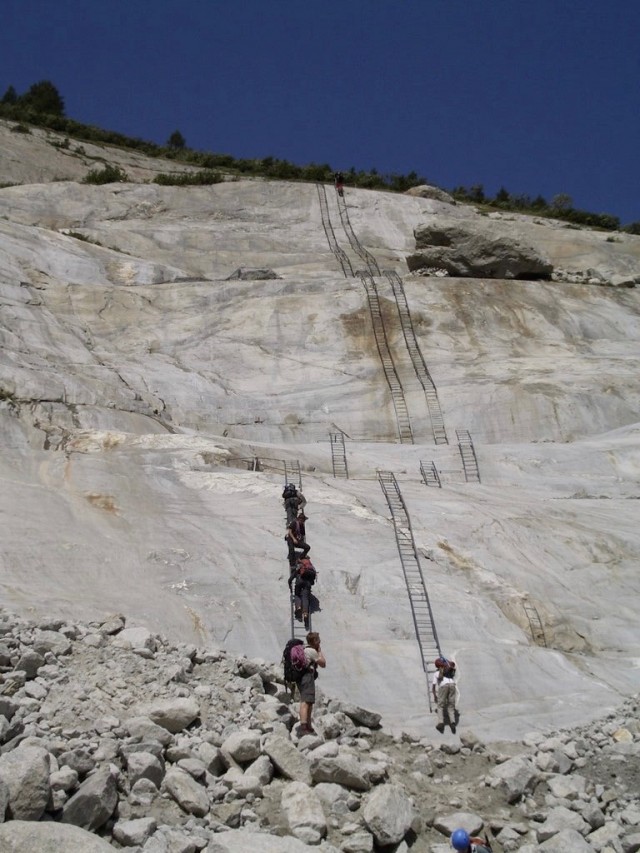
20,128
189,179
108,175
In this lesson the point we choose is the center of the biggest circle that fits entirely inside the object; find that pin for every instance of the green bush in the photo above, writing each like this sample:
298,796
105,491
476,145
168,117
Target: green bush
108,175
189,179
20,128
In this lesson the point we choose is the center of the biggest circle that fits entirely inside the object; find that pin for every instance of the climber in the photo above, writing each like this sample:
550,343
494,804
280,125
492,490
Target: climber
307,683
293,500
445,693
339,182
305,577
464,843
295,542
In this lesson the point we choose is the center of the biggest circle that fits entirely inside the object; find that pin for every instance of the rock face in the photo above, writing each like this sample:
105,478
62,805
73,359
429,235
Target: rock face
427,191
79,760
475,250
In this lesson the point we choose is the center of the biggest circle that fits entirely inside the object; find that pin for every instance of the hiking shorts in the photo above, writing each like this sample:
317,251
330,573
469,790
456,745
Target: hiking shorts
307,687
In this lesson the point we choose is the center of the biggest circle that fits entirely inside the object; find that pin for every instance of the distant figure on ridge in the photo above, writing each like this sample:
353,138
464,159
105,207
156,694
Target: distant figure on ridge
339,182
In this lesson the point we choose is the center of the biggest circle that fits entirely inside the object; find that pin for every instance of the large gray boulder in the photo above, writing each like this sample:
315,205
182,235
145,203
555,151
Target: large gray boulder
388,814
302,808
173,714
287,759
188,794
94,802
25,773
344,770
19,836
243,841
515,777
475,249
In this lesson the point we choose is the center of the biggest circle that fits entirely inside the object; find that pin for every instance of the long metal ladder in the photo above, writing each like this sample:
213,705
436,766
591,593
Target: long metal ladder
417,359
339,253
535,624
430,476
423,621
356,245
338,455
390,372
468,455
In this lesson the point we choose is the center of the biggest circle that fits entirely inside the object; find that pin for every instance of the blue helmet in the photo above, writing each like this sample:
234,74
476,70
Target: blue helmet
460,840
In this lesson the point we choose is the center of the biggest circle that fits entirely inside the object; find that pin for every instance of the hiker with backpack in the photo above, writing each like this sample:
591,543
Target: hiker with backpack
295,541
445,693
305,577
307,683
465,843
301,662
293,501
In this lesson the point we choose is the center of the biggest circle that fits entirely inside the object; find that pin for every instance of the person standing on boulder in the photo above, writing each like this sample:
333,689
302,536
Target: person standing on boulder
307,684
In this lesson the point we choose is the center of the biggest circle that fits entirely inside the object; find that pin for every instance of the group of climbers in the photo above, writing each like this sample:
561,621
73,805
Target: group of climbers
301,660
302,573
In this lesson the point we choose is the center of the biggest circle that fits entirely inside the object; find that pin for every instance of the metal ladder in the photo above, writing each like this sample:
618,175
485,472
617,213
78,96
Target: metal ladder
423,621
468,454
535,624
339,253
292,472
338,455
417,359
390,372
430,476
356,245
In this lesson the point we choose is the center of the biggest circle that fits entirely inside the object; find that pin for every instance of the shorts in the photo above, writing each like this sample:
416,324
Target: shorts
307,687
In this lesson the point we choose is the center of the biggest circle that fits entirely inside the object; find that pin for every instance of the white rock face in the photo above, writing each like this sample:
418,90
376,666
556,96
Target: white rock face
132,372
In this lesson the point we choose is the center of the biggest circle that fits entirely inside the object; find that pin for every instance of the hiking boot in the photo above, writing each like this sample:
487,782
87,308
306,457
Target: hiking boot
440,728
307,730
298,613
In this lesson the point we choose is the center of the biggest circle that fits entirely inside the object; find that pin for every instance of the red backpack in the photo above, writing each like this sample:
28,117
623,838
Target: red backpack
306,570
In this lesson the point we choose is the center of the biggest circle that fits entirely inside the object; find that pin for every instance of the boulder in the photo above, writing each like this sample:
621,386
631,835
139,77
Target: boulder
388,814
188,794
128,833
146,729
287,759
427,191
458,820
252,274
473,249
566,841
93,803
359,715
25,773
516,777
561,818
19,836
244,840
174,714
51,641
242,746
145,765
303,812
344,770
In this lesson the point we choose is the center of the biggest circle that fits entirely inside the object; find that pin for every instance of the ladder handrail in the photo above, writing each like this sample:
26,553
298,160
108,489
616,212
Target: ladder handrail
339,253
413,576
390,371
356,245
417,358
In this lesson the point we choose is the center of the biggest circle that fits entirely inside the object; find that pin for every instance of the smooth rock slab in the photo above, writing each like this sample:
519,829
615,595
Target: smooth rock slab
561,818
343,770
459,820
566,841
132,832
29,837
242,746
388,814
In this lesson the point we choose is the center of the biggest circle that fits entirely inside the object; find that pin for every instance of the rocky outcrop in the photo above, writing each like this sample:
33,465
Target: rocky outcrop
79,759
475,249
428,191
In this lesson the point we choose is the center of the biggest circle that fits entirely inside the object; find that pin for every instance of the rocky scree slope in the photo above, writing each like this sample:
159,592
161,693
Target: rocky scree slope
111,737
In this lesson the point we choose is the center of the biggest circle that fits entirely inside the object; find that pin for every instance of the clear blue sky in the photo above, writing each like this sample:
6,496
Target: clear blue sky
540,96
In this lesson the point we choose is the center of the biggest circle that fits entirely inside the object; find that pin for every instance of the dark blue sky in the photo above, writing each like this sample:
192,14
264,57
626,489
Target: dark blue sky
540,96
